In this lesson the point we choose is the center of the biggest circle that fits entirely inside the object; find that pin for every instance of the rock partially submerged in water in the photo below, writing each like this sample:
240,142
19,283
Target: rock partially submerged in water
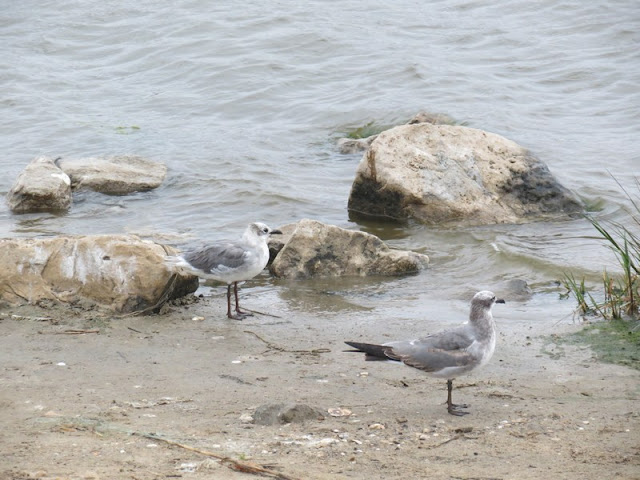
114,175
46,185
440,174
121,273
517,289
314,249
41,187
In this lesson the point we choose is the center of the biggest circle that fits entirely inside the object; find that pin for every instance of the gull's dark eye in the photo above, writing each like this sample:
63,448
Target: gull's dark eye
265,230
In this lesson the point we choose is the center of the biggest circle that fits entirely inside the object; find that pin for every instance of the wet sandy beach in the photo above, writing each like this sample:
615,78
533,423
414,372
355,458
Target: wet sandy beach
88,396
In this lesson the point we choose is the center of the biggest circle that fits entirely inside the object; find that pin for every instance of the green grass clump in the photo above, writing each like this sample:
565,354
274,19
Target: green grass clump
579,292
372,128
367,130
126,130
621,294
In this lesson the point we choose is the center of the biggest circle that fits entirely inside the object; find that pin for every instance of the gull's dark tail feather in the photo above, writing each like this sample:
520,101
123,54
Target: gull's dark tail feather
374,352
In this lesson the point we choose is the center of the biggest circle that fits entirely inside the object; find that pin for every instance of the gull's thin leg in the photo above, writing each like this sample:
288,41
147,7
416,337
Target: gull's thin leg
239,314
235,293
229,302
452,408
229,314
238,311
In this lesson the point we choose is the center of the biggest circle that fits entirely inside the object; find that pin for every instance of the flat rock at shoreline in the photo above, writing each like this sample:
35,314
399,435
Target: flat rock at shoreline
121,273
314,249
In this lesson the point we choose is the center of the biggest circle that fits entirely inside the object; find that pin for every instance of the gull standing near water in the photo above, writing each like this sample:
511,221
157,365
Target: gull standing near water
447,354
229,262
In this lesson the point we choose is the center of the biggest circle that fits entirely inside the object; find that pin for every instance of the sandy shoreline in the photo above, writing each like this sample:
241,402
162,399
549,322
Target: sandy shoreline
78,405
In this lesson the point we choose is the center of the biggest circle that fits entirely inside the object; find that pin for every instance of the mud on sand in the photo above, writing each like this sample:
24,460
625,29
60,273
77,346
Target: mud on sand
87,396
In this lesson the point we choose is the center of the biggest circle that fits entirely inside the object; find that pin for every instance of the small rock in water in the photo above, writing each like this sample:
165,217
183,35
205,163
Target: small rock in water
518,289
41,187
114,175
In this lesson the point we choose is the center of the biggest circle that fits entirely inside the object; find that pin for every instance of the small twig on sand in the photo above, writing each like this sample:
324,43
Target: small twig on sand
229,462
13,316
272,346
74,331
459,436
436,445
261,313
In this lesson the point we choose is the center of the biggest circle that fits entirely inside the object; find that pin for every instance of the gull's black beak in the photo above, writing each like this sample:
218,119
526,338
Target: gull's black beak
278,232
500,300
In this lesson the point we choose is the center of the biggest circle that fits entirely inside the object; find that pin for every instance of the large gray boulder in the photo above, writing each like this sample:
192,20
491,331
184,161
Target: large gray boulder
114,175
122,273
41,187
314,249
441,174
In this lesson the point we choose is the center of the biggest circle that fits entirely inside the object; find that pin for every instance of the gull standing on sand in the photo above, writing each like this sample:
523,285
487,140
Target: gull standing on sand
447,354
229,262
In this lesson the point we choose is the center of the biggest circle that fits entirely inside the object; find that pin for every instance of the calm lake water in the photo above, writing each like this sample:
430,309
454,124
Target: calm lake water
244,101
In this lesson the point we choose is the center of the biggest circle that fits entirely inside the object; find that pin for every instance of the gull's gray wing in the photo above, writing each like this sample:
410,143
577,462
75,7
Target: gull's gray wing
434,352
214,258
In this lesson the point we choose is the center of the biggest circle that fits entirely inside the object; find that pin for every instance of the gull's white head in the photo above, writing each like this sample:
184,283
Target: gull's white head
260,230
485,299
